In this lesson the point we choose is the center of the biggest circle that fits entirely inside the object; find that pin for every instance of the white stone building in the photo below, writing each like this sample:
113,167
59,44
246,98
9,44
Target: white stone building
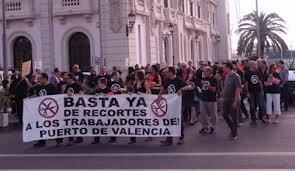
66,32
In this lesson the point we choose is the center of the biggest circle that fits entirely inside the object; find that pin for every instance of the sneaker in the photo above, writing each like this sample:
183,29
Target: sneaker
132,142
180,142
204,131
253,123
95,142
266,120
235,138
59,144
70,143
276,120
212,130
148,139
166,143
78,141
40,144
112,141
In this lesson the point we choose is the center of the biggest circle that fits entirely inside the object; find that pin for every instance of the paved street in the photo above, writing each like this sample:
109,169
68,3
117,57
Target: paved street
261,147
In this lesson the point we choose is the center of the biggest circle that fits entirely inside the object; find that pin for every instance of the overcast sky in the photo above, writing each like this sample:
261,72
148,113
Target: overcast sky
285,8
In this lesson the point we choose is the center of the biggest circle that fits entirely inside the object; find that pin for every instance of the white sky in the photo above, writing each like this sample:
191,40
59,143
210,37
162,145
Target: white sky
285,8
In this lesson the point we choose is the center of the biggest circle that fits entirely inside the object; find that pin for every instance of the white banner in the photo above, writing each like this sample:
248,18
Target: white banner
136,115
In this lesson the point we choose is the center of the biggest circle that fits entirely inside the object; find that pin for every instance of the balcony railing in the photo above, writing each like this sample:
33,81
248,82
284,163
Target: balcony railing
159,11
19,9
189,21
170,15
69,7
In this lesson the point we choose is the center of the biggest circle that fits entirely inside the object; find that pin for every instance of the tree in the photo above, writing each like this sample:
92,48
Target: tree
271,26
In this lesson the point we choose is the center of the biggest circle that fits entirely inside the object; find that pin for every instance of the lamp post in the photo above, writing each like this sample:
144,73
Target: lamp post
5,67
131,22
171,30
166,36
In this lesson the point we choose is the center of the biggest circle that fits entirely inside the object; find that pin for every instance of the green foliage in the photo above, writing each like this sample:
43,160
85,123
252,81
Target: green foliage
270,26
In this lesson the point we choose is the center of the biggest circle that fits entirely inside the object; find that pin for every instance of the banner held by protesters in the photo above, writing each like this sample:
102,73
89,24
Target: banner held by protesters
137,115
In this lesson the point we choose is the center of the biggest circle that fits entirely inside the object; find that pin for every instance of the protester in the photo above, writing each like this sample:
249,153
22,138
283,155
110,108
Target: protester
72,87
243,92
231,99
188,98
129,83
191,65
155,80
284,74
140,86
200,89
62,84
19,90
272,90
254,87
174,85
182,72
103,73
101,89
78,74
208,102
116,83
199,72
44,89
117,87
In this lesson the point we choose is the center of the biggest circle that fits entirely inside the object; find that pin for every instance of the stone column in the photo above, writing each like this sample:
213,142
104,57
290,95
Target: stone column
46,36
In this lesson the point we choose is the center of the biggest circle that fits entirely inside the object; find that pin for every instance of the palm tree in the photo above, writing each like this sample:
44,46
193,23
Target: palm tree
271,26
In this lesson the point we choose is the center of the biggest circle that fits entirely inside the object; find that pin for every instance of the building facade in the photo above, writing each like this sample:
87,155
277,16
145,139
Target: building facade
93,32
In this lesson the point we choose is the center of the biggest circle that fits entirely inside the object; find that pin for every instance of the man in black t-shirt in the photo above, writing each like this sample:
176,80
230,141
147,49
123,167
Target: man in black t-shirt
254,87
93,78
78,74
208,102
115,83
44,89
71,88
101,89
199,72
103,73
116,87
174,85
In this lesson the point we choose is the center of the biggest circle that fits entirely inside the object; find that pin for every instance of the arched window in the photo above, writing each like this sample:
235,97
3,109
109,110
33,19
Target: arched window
22,51
79,51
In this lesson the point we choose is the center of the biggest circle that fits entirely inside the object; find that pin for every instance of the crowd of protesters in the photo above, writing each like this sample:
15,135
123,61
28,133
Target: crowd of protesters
206,89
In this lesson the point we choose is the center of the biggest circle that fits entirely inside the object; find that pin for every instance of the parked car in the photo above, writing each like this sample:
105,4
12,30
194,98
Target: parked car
291,85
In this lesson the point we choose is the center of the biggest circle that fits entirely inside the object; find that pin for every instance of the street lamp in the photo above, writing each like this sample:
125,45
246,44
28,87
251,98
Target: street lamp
197,35
5,73
171,29
131,22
